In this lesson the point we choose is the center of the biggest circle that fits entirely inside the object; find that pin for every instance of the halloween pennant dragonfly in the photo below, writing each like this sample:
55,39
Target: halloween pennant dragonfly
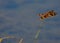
47,14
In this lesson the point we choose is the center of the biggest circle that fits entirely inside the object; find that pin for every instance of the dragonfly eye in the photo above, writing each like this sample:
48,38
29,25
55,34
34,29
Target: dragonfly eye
41,17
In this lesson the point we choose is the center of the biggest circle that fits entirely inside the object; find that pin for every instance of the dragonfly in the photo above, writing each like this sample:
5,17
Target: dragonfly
47,14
